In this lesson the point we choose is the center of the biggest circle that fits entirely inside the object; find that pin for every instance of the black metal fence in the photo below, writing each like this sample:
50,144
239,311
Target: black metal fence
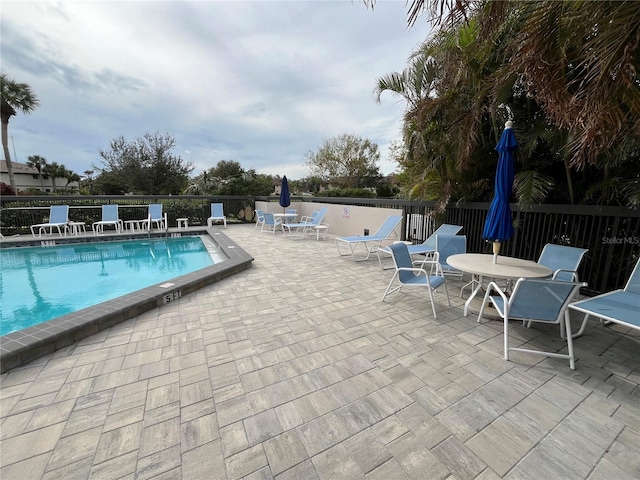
18,213
611,234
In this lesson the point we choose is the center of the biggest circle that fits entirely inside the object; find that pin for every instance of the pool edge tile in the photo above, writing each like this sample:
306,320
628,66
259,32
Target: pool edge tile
23,346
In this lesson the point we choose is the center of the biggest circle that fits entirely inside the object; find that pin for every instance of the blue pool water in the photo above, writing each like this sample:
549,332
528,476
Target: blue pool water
38,284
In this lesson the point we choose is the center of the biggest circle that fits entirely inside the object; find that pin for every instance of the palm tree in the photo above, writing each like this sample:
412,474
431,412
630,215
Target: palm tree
15,97
38,162
55,170
201,184
89,175
578,60
565,72
449,117
71,176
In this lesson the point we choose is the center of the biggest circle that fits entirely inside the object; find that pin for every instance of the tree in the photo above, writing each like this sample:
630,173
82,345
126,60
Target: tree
55,170
217,180
200,185
578,60
108,183
311,184
446,117
482,57
346,160
248,183
71,177
15,97
226,169
89,175
146,165
38,162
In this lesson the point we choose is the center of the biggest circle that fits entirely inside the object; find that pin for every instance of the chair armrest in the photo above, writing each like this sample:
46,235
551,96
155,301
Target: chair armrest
432,259
496,287
414,270
433,264
574,273
432,256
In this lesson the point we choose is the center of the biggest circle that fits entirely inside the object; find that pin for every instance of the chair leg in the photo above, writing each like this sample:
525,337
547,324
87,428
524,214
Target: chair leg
486,298
582,327
446,292
380,261
433,304
470,284
388,290
567,324
506,337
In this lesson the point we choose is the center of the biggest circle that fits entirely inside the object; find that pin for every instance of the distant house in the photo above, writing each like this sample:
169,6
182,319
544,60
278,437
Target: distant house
27,178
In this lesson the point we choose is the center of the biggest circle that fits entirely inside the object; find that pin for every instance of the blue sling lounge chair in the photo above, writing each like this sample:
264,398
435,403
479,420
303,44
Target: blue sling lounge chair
429,245
371,243
306,225
58,219
109,218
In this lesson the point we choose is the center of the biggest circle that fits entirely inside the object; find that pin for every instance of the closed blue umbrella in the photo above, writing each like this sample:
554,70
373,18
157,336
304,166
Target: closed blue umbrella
498,226
285,199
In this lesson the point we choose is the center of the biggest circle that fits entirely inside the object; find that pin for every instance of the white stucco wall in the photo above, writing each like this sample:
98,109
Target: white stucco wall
342,220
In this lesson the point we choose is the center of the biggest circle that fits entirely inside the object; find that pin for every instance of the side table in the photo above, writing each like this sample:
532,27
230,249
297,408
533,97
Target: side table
323,229
77,227
182,223
133,225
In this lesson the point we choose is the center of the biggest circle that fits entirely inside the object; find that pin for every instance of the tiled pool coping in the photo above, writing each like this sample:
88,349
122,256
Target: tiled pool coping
18,348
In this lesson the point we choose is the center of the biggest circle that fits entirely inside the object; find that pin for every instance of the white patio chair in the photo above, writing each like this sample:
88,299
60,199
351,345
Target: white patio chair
291,215
535,300
217,215
271,223
109,218
58,219
156,217
425,273
429,245
259,218
306,224
562,260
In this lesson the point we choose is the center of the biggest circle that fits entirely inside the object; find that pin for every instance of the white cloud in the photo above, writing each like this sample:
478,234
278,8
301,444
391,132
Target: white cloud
258,82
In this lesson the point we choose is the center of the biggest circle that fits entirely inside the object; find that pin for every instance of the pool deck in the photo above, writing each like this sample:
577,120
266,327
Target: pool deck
18,348
294,369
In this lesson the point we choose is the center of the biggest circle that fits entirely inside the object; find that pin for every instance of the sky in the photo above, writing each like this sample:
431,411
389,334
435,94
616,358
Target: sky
258,82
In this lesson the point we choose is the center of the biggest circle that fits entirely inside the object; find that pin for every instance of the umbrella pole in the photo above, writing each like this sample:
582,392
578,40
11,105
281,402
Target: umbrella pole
496,251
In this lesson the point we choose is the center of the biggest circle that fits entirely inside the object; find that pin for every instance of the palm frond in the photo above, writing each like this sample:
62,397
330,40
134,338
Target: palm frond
531,187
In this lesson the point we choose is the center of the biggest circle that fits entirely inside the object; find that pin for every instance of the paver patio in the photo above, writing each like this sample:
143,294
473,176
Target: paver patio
294,369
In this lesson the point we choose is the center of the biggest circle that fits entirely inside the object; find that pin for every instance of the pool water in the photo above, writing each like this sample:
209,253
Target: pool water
38,284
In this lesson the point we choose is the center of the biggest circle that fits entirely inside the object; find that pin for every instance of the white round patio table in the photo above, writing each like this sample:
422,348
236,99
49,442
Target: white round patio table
506,268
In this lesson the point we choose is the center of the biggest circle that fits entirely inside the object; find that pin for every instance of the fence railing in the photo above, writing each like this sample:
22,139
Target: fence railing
611,234
18,213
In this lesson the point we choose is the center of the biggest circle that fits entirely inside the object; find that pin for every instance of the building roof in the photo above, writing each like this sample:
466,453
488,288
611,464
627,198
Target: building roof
18,168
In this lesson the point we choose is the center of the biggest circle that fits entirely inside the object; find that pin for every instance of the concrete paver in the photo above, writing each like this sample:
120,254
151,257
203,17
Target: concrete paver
294,369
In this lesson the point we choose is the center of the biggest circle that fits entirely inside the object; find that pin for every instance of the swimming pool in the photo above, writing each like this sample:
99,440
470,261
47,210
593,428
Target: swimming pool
23,346
38,284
